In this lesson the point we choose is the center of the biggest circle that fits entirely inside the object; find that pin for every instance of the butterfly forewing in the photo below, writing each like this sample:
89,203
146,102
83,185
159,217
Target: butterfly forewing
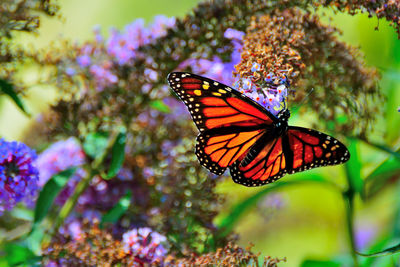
229,122
215,105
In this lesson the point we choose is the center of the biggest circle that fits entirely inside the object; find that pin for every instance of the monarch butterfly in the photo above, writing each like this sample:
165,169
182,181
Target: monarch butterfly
238,133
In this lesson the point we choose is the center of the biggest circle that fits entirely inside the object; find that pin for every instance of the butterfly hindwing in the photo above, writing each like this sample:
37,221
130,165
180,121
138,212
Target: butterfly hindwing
267,166
298,150
219,148
215,105
311,149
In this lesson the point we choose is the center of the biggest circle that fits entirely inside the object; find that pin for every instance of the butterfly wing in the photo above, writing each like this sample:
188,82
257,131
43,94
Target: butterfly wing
218,151
297,150
215,105
229,122
268,164
310,149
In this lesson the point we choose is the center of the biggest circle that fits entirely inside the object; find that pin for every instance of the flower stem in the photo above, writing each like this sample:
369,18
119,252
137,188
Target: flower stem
349,206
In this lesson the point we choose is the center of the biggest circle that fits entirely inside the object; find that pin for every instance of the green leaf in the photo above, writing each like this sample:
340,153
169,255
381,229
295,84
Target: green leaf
385,148
19,255
382,175
49,192
160,106
8,89
353,168
118,155
95,144
226,224
389,251
118,210
319,263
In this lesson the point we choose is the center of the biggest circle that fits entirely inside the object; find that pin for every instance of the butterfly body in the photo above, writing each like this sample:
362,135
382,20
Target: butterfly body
238,133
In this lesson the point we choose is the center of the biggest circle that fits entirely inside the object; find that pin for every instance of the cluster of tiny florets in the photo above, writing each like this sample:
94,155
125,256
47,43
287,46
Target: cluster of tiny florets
18,174
279,45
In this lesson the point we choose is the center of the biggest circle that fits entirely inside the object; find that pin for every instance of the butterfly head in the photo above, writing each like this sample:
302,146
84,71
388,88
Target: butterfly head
284,115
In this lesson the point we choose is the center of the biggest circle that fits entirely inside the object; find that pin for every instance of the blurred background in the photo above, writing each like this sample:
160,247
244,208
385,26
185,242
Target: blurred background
300,222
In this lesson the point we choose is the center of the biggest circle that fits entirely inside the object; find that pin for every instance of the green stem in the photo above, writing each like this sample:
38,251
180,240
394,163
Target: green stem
349,203
71,202
69,205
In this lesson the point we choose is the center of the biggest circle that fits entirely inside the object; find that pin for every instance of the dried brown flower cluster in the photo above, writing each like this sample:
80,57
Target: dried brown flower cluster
389,9
22,16
230,255
97,247
296,44
19,15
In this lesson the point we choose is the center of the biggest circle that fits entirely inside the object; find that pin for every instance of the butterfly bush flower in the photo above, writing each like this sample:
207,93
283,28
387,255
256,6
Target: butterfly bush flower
160,26
123,45
216,69
145,244
120,49
270,92
103,75
18,174
58,157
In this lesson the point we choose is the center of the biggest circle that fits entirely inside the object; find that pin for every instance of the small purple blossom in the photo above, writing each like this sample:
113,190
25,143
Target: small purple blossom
148,172
103,75
365,233
97,33
255,67
18,174
160,25
84,60
70,71
233,34
145,244
151,74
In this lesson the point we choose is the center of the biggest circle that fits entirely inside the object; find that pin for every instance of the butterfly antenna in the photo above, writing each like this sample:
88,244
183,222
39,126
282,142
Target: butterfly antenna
303,100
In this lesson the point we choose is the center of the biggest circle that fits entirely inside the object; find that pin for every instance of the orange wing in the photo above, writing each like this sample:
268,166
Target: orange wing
214,105
311,149
217,152
267,166
297,150
229,122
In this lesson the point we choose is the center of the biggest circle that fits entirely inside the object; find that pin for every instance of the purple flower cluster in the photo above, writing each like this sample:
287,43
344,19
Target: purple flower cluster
217,69
59,157
145,244
121,48
101,69
18,174
270,91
